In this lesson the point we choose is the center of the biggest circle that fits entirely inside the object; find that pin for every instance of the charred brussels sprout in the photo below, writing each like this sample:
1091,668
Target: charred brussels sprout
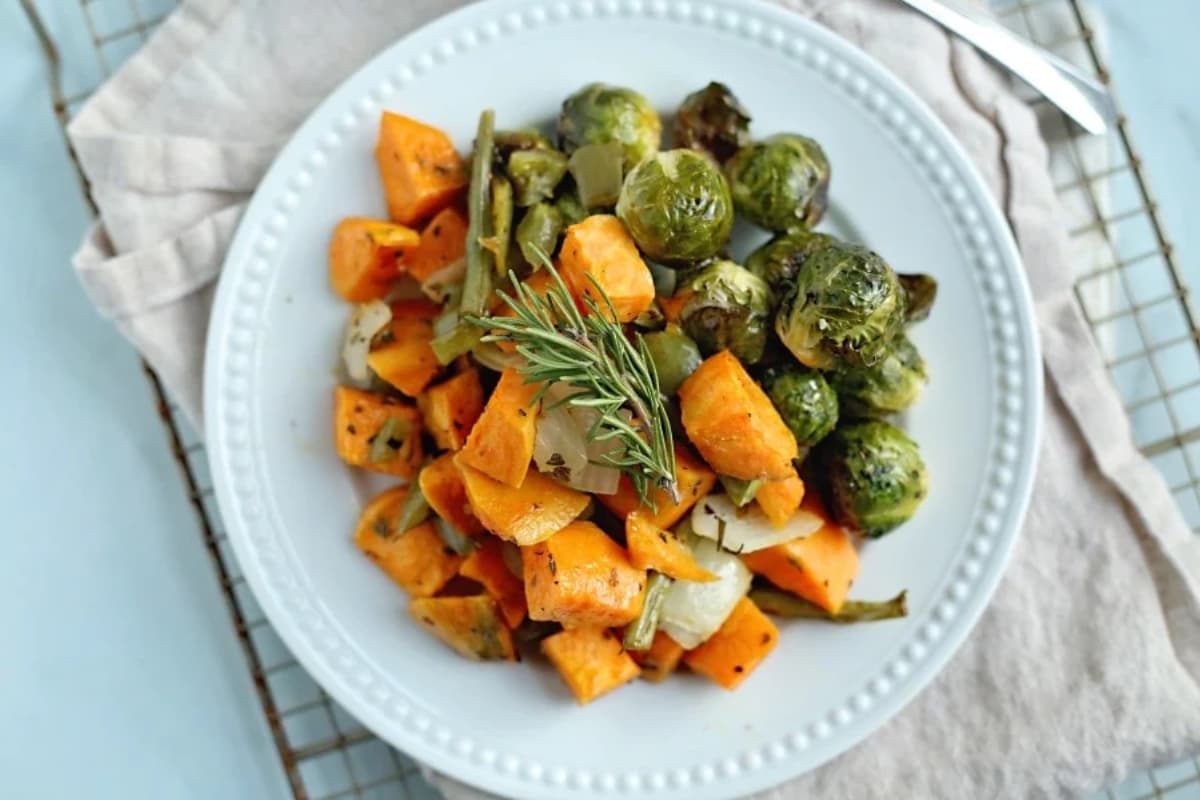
876,476
675,357
676,206
887,387
778,261
806,402
780,182
712,121
844,307
598,113
570,207
727,308
921,291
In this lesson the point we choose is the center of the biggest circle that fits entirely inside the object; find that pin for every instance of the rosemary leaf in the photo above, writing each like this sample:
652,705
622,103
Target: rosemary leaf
612,375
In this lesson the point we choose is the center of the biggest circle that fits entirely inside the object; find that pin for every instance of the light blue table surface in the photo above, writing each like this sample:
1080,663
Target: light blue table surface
120,676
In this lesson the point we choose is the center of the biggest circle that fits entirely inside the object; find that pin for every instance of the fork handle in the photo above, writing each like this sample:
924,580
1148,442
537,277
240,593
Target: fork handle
1080,97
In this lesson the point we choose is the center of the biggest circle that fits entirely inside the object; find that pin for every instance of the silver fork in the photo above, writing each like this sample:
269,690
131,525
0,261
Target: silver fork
1080,97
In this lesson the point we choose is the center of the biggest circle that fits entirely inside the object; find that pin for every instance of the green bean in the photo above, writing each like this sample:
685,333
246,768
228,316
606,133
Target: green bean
458,542
502,217
453,340
389,439
477,285
640,633
414,511
453,337
783,604
740,492
597,172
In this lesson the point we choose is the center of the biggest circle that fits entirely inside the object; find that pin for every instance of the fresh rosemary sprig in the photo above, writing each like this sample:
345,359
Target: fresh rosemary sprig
591,353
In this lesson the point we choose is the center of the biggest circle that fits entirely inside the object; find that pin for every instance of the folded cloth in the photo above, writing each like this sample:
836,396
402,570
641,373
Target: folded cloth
1087,663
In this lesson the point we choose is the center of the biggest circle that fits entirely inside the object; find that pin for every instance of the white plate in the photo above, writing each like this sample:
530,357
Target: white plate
900,184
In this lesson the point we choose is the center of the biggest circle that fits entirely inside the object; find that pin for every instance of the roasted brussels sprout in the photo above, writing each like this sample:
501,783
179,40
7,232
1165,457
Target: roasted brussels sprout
844,307
806,402
676,206
921,291
535,174
712,121
876,477
598,113
780,182
675,357
889,386
778,261
570,207
727,308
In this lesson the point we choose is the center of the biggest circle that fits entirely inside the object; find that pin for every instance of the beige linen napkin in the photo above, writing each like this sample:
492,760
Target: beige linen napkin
1087,663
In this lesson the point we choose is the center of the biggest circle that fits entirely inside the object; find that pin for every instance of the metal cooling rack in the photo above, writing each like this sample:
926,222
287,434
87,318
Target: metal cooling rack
1130,286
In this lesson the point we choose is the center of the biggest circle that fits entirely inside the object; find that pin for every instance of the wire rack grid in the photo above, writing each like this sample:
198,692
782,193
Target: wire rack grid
1129,285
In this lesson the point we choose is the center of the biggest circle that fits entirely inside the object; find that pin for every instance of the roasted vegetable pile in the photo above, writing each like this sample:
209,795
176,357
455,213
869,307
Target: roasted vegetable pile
619,445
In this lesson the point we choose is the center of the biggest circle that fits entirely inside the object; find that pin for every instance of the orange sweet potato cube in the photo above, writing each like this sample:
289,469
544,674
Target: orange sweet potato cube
672,307
693,478
591,661
443,241
358,416
451,408
442,485
651,547
819,567
779,500
733,423
486,565
501,442
533,511
417,559
737,648
403,356
421,171
364,257
601,248
471,625
582,578
661,659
